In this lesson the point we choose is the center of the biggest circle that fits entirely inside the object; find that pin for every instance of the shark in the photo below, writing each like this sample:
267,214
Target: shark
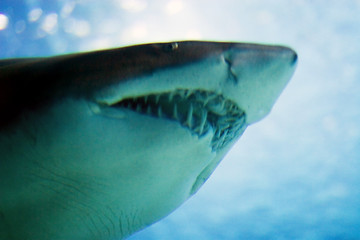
99,145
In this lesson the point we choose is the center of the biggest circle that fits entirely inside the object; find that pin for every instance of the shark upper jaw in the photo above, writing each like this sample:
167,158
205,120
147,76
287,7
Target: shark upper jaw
234,88
198,111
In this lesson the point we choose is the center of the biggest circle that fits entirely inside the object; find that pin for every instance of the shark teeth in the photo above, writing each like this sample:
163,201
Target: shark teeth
175,112
200,128
189,118
159,112
198,110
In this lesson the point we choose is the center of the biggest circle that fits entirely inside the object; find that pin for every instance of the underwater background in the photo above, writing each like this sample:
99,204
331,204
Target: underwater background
293,175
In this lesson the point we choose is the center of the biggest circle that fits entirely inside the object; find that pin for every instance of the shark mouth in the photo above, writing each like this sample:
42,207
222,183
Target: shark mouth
199,111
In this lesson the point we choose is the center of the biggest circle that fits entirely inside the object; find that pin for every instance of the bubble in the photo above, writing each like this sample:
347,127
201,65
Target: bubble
193,34
97,43
136,32
67,9
79,28
174,7
34,14
50,23
20,26
4,21
133,5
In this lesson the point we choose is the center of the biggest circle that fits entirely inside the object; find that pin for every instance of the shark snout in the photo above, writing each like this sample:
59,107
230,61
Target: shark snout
257,76
260,57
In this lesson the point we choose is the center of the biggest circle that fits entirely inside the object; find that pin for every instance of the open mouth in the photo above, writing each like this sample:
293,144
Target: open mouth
199,111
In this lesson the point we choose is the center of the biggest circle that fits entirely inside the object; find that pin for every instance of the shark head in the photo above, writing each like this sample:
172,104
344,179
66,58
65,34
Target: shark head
100,145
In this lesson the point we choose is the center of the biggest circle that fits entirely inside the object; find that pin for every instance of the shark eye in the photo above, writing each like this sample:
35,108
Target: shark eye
171,46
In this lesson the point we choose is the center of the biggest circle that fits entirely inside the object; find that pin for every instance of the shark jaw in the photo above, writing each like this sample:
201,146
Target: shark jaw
198,111
103,163
202,113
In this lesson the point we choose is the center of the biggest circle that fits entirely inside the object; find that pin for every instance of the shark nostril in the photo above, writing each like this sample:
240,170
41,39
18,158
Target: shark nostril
228,61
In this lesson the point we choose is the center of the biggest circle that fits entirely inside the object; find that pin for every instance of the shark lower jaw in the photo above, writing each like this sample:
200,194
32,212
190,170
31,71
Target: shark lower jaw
197,110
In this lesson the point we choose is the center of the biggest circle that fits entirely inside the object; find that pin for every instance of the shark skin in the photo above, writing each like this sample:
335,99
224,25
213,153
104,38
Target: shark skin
99,145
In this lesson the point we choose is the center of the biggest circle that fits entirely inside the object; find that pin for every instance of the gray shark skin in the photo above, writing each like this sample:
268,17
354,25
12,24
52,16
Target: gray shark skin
99,145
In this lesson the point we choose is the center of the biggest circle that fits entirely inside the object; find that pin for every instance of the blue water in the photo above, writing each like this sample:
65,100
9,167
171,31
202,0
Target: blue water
294,175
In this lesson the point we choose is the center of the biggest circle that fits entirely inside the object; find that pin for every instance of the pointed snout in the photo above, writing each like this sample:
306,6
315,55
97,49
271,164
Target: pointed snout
259,74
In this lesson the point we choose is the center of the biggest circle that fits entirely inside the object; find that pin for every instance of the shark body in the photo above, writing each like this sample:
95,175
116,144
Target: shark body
98,145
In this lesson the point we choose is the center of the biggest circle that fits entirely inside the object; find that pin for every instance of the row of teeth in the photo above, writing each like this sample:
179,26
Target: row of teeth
197,110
